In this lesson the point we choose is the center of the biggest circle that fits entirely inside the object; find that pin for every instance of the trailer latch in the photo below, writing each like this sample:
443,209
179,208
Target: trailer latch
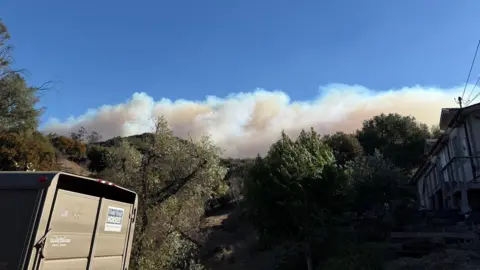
41,244
132,219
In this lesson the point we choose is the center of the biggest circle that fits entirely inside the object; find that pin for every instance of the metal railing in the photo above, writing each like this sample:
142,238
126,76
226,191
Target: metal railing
459,170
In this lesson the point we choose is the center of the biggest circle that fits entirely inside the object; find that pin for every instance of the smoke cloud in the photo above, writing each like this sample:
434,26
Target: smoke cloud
244,124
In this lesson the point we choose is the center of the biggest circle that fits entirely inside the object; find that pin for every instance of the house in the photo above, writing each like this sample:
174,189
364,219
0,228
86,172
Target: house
449,178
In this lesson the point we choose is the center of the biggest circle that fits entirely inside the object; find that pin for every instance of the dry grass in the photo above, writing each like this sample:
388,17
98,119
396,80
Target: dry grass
72,167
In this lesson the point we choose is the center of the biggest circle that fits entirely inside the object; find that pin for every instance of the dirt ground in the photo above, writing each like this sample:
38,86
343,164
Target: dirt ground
448,259
232,244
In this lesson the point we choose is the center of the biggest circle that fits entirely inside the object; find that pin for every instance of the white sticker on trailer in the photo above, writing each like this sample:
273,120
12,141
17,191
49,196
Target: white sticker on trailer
114,219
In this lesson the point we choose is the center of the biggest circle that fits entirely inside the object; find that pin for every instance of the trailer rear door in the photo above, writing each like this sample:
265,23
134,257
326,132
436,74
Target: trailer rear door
71,231
86,224
112,235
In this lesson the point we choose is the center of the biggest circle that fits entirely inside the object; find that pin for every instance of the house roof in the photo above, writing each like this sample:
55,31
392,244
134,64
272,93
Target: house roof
446,117
429,143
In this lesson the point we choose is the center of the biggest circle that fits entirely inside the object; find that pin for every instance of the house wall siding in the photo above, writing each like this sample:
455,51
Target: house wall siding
456,164
420,190
473,124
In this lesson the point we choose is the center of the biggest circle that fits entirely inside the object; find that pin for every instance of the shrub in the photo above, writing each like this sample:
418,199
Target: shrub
72,148
98,158
23,151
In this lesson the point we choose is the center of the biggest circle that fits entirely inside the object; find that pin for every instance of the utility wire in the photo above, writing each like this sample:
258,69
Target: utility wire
471,67
471,92
478,94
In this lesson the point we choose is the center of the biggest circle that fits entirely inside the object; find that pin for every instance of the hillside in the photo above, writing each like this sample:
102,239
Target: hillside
231,242
235,166
73,167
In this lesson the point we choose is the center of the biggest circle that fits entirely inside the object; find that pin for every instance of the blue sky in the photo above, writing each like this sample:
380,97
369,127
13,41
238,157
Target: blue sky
104,51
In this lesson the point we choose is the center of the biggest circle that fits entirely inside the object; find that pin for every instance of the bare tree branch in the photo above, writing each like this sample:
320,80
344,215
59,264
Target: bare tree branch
48,85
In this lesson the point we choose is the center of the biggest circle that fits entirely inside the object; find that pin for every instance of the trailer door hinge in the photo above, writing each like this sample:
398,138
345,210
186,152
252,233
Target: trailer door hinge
132,218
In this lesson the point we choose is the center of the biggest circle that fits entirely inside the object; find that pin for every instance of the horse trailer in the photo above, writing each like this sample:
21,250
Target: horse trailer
57,220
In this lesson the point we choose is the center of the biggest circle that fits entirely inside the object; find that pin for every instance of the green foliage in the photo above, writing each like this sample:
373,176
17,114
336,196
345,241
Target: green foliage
17,99
4,49
435,131
238,170
399,138
178,253
237,167
73,149
79,135
346,147
97,156
140,142
299,193
26,151
294,190
94,137
21,146
17,104
173,179
377,182
82,135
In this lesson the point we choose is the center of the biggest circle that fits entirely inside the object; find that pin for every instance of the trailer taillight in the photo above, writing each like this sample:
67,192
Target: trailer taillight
42,179
105,182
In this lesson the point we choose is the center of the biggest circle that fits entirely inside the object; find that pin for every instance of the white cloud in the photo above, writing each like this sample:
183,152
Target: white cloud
244,124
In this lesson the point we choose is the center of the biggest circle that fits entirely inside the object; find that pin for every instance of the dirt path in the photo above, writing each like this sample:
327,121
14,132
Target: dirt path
72,167
233,244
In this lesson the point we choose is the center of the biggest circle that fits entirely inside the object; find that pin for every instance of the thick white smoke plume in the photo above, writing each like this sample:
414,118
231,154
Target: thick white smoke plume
245,124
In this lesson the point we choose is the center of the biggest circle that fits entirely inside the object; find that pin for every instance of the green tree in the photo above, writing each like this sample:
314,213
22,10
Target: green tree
346,147
94,137
173,179
380,187
97,156
26,152
5,49
82,135
17,104
377,182
21,146
399,138
73,149
238,170
435,131
17,99
79,135
296,190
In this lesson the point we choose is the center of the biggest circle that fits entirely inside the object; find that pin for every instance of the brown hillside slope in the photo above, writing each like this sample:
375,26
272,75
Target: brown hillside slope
72,167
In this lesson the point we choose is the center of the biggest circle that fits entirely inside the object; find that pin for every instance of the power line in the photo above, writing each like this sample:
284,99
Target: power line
471,67
471,92
475,95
